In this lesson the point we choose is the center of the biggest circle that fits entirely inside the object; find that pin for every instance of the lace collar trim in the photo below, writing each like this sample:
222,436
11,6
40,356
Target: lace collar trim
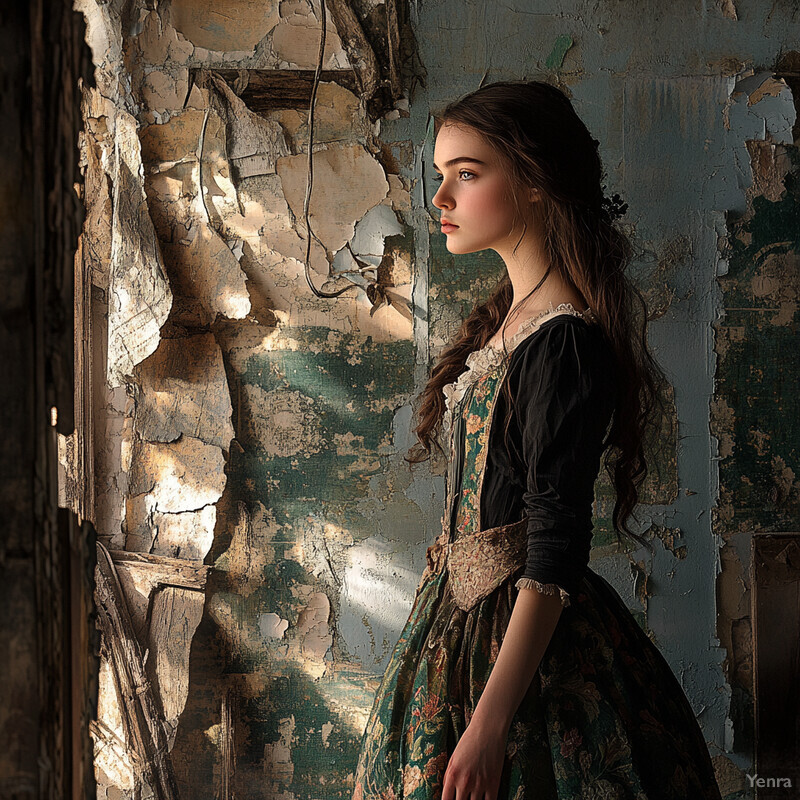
481,361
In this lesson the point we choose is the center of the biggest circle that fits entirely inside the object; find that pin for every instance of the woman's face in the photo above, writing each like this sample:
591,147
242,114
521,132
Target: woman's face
474,194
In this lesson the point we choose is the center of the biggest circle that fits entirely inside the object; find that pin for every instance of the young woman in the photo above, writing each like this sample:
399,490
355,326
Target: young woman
521,673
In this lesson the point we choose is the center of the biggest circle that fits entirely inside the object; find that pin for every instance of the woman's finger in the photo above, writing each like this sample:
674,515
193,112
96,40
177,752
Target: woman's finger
448,788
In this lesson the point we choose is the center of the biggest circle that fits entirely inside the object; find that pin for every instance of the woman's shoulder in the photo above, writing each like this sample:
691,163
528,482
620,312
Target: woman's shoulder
563,340
583,328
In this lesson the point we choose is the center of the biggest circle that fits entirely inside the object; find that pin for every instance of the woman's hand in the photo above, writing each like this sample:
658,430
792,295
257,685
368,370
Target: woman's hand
476,765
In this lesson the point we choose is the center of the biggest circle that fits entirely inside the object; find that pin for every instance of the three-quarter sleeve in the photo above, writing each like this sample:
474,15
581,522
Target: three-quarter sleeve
564,400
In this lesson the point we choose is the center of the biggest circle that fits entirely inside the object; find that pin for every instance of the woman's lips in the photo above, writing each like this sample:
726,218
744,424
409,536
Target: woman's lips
448,227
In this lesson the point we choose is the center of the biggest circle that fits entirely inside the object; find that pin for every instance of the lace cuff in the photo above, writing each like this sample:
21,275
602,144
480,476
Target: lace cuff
544,588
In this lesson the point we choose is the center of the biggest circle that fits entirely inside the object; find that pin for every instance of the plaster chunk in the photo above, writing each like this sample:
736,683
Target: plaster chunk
272,626
770,165
399,197
160,42
254,143
184,390
337,117
139,293
163,92
312,628
295,41
188,535
371,231
178,140
204,270
348,181
181,476
225,24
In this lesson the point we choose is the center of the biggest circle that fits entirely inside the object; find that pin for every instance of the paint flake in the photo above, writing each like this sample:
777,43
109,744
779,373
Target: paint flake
348,181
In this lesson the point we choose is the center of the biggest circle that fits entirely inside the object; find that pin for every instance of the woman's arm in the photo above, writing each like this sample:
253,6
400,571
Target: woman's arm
563,397
533,620
476,766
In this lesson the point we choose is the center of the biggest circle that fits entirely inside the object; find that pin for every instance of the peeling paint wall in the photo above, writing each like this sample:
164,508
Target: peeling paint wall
265,533
232,401
754,412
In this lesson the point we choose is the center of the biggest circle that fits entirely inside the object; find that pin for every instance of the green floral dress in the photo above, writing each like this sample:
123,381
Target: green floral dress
604,716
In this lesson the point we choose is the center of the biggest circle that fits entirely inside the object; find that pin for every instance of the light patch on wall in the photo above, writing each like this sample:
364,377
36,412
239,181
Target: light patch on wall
104,37
172,154
187,535
325,731
111,756
374,582
181,476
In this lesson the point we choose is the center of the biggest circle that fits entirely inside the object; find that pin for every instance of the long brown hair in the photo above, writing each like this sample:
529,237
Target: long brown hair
542,143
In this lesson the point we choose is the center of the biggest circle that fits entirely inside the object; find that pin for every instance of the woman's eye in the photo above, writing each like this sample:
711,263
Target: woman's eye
438,177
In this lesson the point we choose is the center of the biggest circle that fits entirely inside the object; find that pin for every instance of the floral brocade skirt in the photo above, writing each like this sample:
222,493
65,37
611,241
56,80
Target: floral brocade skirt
603,719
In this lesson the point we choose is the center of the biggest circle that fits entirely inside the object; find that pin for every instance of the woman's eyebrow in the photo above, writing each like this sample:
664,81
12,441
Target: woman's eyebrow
459,160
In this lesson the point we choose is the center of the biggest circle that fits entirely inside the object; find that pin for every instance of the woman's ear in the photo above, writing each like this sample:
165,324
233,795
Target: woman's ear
533,195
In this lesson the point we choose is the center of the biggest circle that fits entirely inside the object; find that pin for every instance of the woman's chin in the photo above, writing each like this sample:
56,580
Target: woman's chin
457,248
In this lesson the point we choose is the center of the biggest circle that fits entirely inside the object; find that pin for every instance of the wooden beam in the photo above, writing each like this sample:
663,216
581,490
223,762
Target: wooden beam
359,50
266,90
140,709
164,571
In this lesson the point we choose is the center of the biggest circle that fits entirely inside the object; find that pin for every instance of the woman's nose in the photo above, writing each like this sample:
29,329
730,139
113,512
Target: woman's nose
441,199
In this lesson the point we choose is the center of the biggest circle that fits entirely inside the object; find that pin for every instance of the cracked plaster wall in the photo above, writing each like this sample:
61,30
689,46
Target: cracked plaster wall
248,425
207,331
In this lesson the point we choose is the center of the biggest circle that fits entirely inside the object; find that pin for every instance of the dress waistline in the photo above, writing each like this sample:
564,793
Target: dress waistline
477,562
